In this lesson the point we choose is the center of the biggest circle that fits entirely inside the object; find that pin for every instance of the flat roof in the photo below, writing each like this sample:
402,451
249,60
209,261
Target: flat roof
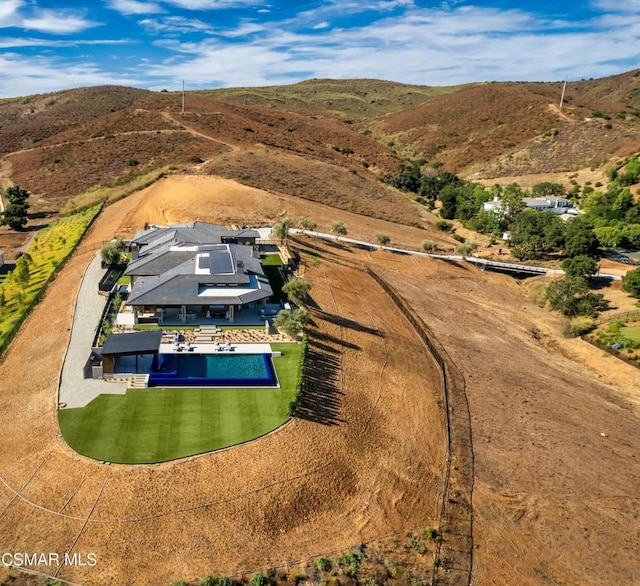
133,343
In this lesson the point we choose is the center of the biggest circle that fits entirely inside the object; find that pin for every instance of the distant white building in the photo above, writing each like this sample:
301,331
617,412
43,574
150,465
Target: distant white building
557,205
1,258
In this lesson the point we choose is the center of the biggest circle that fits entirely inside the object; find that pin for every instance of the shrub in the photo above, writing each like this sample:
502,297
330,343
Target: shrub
444,226
466,248
432,534
258,580
132,163
579,326
323,564
429,246
459,238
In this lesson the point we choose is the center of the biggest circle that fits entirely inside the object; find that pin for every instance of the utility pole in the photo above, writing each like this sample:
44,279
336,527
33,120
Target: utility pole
564,87
183,96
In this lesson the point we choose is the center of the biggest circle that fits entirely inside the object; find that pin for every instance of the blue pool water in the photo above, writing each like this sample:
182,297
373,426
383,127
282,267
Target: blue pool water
219,370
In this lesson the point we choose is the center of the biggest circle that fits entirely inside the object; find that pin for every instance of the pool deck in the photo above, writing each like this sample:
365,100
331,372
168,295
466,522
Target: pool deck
216,348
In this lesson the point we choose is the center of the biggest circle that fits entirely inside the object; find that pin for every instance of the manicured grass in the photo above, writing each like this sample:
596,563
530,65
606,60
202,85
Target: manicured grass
155,425
631,333
272,260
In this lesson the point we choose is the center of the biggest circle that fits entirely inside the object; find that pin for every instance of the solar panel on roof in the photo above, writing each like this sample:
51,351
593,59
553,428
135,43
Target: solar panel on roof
220,262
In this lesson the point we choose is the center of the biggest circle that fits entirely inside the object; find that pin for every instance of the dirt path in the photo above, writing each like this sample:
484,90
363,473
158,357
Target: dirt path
560,113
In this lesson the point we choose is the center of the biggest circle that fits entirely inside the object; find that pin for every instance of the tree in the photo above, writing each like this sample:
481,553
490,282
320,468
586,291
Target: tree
15,212
449,198
281,228
382,239
297,289
534,234
339,229
580,266
631,283
512,201
3,301
22,273
548,189
307,224
572,297
580,239
291,322
111,252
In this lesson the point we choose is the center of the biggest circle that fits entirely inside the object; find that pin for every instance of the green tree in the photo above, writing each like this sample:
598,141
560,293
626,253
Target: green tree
281,228
382,239
15,212
534,234
572,297
631,283
449,198
307,224
580,238
297,289
112,251
291,322
512,201
580,266
3,301
548,189
258,580
22,273
339,229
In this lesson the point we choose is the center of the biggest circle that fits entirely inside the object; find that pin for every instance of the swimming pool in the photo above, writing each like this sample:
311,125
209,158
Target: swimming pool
212,370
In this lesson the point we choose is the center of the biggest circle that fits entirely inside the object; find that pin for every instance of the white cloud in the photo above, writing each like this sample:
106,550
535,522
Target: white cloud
628,6
14,43
58,22
9,12
424,46
134,7
40,75
210,4
174,25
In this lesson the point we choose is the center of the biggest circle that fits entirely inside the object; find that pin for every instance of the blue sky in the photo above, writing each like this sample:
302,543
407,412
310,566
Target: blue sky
47,45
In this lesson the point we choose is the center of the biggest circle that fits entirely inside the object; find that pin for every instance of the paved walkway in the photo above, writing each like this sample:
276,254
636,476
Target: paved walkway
75,390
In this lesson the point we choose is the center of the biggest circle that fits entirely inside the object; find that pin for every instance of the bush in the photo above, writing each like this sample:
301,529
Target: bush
429,246
579,326
459,238
444,226
323,564
466,248
631,283
258,580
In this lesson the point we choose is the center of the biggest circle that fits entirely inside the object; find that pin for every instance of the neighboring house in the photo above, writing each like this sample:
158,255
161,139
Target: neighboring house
195,269
1,258
557,205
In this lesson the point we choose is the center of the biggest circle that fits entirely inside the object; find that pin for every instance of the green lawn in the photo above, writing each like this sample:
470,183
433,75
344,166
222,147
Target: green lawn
631,333
156,425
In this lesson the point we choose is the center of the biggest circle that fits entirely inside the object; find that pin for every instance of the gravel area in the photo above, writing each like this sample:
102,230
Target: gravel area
75,390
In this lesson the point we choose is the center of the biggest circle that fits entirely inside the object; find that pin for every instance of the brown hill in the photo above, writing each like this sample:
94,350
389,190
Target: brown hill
477,124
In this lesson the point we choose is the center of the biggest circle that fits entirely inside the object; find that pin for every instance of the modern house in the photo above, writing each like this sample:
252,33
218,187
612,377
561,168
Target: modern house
194,270
557,205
